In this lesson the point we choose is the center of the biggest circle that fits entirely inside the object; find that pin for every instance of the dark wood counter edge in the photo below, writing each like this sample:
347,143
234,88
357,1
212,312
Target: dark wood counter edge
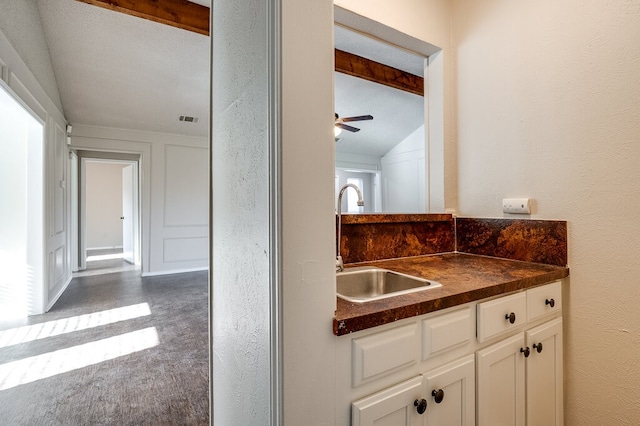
370,218
387,316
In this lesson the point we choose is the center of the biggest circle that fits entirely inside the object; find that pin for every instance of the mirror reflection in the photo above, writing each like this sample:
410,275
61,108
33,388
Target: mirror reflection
383,156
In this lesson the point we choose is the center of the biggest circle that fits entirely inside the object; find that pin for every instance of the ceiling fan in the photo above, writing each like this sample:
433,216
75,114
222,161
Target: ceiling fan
340,122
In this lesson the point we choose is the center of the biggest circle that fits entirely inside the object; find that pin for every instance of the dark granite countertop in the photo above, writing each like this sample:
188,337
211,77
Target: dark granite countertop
464,278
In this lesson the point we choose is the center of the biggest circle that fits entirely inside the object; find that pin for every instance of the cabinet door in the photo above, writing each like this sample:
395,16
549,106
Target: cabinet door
453,385
391,407
544,374
501,376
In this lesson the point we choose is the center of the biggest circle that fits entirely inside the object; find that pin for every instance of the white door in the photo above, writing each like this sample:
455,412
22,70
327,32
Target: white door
544,375
394,406
73,178
128,215
501,383
452,392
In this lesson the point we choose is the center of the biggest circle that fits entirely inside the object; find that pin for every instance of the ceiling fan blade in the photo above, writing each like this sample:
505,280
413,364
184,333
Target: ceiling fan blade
347,127
357,118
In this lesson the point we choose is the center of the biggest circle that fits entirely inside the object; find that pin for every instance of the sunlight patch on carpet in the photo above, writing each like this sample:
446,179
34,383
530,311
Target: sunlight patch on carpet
40,367
28,333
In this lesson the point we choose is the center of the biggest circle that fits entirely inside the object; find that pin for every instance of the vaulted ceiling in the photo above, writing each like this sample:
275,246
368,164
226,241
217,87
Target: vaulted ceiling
118,70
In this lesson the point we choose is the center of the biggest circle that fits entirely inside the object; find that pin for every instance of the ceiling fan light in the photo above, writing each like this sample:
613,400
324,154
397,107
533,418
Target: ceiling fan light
336,130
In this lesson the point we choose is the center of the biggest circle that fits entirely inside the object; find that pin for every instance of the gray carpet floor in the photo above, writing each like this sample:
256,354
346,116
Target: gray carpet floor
116,349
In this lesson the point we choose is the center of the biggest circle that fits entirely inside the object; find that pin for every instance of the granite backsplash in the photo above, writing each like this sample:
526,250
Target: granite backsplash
369,237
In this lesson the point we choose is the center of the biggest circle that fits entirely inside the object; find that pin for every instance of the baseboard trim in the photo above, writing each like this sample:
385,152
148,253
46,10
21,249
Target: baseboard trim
174,271
104,248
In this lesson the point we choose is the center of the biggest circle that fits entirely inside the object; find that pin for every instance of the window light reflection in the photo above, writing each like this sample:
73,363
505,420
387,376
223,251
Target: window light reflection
28,333
39,367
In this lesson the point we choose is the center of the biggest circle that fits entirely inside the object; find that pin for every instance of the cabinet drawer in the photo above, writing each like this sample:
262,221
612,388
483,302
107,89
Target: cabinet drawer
378,354
495,316
445,332
541,299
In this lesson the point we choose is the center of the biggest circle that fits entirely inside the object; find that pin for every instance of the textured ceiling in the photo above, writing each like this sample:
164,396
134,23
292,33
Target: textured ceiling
116,70
396,114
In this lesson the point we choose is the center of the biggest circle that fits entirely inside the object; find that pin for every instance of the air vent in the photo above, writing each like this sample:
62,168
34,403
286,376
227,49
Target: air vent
188,119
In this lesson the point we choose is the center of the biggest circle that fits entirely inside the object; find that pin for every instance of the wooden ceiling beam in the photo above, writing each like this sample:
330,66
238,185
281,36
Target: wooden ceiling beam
357,66
194,17
177,13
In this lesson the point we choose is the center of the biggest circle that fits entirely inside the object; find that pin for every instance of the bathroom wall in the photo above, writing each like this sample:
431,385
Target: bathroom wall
547,96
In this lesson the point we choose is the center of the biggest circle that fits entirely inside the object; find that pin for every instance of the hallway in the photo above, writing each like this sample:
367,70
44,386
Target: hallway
115,349
105,261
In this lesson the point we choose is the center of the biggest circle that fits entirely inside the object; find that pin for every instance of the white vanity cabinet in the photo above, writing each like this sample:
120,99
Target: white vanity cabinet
442,397
501,379
520,377
450,392
394,406
437,350
544,389
493,362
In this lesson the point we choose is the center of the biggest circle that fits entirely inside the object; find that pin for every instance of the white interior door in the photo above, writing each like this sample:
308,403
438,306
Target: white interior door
128,216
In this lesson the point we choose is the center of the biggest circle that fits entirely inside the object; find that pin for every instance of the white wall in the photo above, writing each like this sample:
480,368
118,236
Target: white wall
548,108
403,175
308,212
103,204
22,46
20,23
357,161
174,194
245,250
241,251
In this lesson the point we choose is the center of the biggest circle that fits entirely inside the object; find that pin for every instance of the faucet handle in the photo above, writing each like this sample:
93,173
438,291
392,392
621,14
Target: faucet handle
339,264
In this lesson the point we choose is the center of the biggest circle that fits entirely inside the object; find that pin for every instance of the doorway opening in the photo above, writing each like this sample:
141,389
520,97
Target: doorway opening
21,210
369,183
108,209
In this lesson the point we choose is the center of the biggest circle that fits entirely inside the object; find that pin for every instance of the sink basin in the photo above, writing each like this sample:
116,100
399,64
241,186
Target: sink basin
364,284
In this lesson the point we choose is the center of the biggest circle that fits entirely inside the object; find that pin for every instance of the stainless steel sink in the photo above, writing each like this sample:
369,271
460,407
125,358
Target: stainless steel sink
364,284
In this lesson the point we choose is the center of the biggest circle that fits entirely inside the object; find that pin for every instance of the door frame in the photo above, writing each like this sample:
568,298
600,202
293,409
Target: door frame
36,283
108,157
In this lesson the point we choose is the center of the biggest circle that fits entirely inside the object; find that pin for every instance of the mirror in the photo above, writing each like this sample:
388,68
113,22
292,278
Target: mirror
386,157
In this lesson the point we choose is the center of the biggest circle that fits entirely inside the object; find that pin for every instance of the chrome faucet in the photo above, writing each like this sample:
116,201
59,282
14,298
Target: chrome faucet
339,264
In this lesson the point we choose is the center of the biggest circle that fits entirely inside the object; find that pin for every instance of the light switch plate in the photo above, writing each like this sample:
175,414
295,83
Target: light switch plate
516,205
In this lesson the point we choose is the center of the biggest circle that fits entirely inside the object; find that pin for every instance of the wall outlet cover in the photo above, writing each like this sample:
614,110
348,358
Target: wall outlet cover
516,205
